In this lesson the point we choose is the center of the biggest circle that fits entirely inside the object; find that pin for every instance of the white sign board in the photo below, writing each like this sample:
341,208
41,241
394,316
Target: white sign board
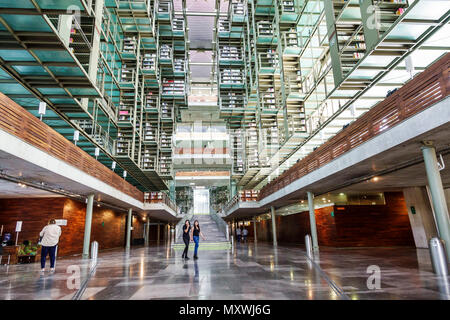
61,222
19,226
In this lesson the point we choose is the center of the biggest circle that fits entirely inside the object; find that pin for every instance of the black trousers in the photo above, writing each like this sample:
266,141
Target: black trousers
48,251
186,248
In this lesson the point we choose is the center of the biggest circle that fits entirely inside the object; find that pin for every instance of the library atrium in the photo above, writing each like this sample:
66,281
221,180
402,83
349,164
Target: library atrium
224,149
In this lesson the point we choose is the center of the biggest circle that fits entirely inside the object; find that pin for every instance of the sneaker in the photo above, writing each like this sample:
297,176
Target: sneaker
43,270
187,258
195,257
52,269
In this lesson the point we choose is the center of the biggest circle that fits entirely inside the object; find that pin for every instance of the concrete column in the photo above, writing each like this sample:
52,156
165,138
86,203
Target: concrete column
172,233
274,227
87,226
420,215
437,195
158,234
254,230
129,219
233,188
147,231
312,221
233,229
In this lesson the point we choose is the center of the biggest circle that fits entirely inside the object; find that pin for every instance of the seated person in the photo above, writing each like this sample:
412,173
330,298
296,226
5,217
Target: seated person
27,249
7,239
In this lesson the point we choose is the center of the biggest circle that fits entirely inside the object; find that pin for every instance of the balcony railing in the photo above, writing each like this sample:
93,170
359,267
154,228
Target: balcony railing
242,196
160,197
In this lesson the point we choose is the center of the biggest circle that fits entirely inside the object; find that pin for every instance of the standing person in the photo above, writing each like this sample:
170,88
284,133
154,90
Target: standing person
186,238
245,234
50,236
238,234
196,233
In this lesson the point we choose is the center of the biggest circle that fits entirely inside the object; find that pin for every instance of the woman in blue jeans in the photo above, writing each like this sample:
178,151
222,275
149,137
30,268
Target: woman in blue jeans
196,233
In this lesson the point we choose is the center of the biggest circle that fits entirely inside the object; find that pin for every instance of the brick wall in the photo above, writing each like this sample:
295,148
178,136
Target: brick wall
138,228
351,226
35,214
108,226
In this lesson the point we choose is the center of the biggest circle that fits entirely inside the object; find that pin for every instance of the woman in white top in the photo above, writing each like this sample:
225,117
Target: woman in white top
50,237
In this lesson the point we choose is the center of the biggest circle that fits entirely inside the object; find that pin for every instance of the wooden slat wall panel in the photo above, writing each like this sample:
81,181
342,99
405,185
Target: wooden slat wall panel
428,88
17,121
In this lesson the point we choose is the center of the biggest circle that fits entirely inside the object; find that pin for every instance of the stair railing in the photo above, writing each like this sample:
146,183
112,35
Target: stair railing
179,226
221,224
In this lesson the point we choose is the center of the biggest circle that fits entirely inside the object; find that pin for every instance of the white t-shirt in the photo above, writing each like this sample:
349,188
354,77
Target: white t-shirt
238,231
50,235
245,232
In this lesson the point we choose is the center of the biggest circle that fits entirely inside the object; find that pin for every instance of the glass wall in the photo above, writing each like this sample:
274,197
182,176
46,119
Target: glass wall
201,201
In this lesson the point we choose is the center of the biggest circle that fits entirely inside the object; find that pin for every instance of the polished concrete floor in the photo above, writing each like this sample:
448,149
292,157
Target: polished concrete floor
248,271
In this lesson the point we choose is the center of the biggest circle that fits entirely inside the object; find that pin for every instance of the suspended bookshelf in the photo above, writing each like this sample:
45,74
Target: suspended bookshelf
149,62
167,110
237,150
165,54
129,49
231,77
248,195
252,156
125,114
165,163
173,87
150,130
235,99
124,142
151,100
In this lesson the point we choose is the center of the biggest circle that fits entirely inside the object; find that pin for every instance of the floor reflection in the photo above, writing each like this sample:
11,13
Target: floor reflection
249,271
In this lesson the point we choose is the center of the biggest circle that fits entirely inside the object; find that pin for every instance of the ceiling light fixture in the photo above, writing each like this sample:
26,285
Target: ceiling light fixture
42,109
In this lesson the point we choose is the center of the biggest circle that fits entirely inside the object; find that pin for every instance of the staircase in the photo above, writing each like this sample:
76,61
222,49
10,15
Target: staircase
215,238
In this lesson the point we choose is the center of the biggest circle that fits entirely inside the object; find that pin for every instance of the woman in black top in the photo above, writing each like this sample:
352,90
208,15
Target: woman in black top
186,238
195,236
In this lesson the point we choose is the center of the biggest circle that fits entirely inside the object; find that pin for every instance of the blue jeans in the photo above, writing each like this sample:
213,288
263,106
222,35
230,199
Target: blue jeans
50,251
196,239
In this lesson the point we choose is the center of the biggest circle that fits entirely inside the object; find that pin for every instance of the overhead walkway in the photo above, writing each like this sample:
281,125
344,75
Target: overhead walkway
384,143
68,54
34,154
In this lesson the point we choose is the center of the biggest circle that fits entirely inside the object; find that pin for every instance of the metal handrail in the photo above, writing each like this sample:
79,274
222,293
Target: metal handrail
231,203
180,224
221,224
